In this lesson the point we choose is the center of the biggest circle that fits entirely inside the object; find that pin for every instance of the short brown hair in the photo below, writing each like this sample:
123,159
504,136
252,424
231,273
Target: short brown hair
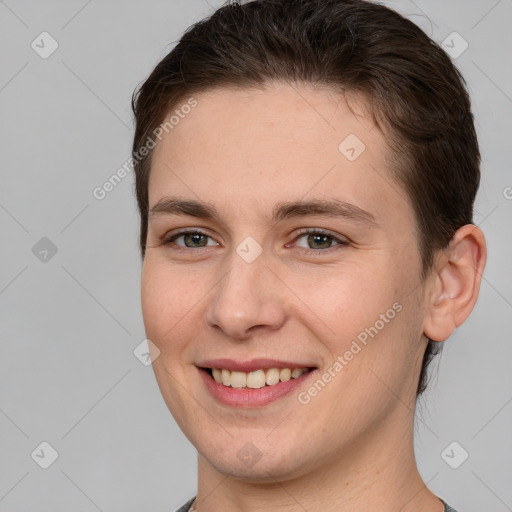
415,94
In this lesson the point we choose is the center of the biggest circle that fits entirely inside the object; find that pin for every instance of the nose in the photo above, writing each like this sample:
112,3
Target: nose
248,298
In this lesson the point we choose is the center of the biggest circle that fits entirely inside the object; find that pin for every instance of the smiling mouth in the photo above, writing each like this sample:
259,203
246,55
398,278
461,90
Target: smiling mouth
256,379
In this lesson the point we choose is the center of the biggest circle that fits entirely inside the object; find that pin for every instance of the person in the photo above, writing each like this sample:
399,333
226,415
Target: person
305,174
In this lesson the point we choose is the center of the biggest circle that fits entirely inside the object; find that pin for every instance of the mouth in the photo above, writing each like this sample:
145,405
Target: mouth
252,384
263,377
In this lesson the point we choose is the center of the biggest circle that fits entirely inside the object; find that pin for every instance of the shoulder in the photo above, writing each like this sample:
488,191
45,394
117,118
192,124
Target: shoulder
187,505
447,507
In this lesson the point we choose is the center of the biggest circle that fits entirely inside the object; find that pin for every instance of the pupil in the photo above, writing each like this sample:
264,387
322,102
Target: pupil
195,238
317,238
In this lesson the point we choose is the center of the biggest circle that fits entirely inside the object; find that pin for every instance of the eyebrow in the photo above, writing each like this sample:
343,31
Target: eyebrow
284,210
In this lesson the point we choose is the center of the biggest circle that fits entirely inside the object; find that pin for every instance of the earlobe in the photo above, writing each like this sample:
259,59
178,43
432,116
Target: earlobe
456,279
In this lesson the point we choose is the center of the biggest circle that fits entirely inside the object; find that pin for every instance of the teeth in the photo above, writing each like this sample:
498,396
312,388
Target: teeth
226,377
256,379
272,376
285,374
297,373
238,380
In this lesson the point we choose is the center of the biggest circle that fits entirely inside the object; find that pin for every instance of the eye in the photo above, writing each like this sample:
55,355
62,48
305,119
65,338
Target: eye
318,239
312,240
191,239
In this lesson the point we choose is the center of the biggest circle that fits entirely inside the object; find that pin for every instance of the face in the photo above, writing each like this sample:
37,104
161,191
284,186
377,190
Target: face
281,282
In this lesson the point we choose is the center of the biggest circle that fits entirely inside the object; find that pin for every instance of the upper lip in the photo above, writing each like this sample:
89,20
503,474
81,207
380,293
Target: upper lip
252,365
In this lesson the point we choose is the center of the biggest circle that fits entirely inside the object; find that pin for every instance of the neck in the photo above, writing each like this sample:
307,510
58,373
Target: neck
371,474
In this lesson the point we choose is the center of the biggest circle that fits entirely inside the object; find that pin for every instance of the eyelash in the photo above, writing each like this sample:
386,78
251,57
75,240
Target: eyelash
306,231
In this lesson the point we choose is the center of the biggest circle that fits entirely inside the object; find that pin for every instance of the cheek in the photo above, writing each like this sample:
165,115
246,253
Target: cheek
154,299
168,297
366,318
347,300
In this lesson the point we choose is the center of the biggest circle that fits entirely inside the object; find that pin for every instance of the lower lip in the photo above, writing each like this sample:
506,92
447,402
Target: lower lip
247,397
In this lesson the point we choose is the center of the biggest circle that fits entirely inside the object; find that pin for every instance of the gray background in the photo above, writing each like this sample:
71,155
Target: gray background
70,321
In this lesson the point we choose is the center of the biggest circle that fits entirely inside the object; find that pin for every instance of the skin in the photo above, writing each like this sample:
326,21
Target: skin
351,447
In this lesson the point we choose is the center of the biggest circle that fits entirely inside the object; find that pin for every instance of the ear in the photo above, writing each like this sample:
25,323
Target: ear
455,282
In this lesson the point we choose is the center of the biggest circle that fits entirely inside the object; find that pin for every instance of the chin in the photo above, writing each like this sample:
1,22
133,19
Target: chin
255,462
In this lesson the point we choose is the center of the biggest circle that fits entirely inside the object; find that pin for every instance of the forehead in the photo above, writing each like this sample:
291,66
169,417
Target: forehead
247,148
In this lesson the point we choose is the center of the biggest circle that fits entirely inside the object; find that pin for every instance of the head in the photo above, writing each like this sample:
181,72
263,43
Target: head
329,103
